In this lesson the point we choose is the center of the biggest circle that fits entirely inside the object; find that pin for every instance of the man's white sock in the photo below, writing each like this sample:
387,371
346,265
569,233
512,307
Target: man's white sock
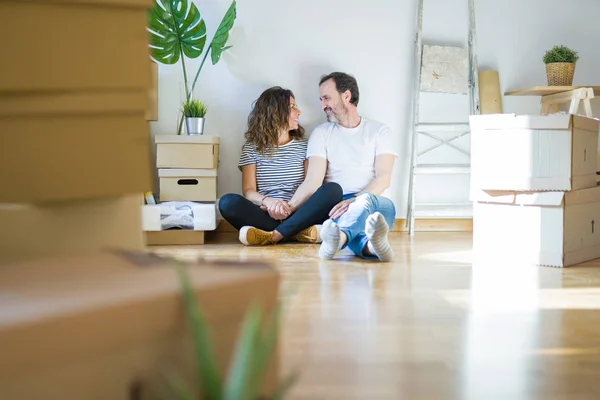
377,230
330,236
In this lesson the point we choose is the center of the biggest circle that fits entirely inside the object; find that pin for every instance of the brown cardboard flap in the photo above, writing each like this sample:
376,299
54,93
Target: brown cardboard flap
60,309
532,198
582,196
586,123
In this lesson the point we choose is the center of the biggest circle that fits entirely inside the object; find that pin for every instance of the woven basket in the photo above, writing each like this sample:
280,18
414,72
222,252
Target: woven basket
560,73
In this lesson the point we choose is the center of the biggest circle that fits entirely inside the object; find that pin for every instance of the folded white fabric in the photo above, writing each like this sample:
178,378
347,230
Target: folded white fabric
187,215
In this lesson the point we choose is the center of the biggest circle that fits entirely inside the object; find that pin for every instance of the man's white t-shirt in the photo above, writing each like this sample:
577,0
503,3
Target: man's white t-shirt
351,152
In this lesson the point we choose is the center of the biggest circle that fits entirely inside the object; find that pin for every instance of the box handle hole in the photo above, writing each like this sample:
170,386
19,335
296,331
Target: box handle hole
187,182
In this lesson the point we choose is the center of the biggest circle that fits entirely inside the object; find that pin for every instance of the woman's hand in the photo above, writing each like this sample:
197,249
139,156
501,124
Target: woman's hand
277,209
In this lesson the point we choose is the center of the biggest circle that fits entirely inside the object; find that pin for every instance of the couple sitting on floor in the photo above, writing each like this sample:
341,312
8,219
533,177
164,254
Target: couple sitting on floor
336,178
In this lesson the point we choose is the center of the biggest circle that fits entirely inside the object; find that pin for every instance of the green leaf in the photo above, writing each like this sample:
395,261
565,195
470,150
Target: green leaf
194,109
207,371
240,372
217,45
175,27
265,347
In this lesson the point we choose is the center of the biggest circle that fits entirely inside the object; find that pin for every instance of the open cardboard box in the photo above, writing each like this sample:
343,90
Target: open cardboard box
204,219
107,325
555,229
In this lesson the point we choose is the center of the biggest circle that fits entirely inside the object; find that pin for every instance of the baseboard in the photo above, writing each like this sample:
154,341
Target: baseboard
436,225
421,225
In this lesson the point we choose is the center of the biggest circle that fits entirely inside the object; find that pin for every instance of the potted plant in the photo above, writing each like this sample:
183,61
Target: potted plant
177,31
194,112
256,343
560,65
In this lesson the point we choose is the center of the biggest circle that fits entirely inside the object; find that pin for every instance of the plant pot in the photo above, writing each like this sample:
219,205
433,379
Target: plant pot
195,126
560,73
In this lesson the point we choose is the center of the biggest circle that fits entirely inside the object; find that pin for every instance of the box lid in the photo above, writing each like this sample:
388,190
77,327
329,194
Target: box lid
186,139
536,198
186,173
57,308
538,122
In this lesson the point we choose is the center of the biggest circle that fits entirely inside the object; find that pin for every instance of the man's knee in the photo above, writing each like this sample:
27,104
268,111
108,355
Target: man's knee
367,199
387,203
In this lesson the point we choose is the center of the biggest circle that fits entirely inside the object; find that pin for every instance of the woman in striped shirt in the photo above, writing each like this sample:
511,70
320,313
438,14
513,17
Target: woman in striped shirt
273,164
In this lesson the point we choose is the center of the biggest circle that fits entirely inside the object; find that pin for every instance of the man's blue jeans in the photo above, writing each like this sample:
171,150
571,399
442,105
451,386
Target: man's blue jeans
352,222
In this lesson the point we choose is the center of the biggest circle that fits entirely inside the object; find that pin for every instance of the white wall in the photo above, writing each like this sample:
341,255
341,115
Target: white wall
294,44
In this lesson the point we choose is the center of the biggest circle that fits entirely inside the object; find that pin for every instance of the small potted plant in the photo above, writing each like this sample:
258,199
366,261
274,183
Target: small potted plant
560,65
194,112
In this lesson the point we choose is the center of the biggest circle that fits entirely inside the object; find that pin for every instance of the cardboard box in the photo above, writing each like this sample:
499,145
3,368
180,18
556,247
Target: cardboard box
72,45
187,151
187,184
203,216
598,167
107,326
533,152
174,237
30,231
556,229
74,146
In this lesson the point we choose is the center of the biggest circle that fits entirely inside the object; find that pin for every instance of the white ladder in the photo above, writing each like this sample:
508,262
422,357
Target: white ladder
458,130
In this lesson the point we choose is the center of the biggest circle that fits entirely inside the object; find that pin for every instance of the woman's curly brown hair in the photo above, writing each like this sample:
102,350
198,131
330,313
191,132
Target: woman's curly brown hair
270,115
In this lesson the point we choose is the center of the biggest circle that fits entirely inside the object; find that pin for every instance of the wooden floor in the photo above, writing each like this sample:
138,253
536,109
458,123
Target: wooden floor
432,325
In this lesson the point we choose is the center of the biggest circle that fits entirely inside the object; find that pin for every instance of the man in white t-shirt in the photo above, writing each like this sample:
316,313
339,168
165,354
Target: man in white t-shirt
358,154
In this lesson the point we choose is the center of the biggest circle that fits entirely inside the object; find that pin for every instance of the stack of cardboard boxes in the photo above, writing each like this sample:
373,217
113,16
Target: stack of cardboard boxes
534,187
86,311
187,171
74,140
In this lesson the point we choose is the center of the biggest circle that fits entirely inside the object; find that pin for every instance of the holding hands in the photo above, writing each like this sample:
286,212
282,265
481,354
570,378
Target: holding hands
277,209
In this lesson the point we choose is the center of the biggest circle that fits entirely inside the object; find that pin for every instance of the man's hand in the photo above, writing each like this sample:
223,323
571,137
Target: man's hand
277,209
340,208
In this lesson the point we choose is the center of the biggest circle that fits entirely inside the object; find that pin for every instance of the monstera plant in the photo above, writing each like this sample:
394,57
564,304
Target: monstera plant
177,31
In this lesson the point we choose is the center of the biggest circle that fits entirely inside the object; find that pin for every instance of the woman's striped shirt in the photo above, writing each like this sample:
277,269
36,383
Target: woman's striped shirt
279,174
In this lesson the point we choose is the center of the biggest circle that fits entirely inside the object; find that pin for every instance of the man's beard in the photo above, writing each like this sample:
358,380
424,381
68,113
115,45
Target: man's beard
332,116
